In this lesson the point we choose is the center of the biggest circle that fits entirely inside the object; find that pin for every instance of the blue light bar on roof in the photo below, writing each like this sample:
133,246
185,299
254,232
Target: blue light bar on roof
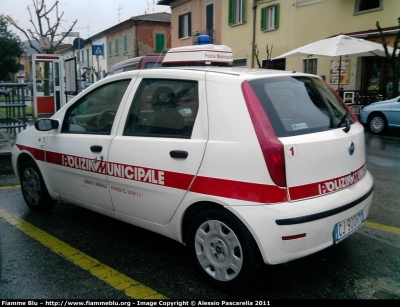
203,40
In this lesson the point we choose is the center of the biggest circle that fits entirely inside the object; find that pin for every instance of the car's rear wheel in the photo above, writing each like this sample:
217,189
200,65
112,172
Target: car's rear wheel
223,249
34,189
377,123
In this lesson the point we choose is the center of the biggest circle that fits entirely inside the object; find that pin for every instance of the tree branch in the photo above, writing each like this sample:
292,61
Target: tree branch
42,14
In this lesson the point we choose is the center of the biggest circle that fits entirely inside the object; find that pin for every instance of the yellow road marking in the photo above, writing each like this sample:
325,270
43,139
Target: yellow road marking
383,227
119,281
10,187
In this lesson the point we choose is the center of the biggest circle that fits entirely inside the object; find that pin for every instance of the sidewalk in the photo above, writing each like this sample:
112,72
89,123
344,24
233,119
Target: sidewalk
7,141
7,138
7,176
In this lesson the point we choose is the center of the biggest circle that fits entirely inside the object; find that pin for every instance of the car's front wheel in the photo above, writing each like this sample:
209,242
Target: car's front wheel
377,123
223,249
34,189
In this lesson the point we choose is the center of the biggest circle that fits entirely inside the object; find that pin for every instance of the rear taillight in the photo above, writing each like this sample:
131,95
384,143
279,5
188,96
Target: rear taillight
271,147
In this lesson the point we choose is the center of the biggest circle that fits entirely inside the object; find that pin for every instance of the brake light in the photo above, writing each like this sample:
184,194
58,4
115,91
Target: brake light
271,147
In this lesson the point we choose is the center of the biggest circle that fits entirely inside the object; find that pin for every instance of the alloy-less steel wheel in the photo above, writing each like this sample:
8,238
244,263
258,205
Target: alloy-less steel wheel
223,249
33,188
377,123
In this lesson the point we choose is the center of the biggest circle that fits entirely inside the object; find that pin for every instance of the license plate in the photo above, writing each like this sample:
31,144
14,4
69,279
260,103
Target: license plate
347,226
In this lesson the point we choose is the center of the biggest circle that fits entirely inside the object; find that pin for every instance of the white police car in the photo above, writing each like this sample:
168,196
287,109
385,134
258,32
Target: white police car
238,164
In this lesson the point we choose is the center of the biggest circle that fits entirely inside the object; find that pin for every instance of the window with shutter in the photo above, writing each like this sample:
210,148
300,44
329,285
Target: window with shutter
236,12
366,6
310,66
185,27
270,17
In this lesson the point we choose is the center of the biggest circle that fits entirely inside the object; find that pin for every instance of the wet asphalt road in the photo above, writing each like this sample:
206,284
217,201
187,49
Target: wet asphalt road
364,266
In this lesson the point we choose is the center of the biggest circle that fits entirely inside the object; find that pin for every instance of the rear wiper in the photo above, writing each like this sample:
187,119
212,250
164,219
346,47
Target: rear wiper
345,119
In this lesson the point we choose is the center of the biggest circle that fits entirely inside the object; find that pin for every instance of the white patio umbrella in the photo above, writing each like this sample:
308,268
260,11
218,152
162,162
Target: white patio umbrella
339,45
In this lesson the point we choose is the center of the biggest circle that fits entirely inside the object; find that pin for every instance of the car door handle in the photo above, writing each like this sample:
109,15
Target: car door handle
180,154
96,148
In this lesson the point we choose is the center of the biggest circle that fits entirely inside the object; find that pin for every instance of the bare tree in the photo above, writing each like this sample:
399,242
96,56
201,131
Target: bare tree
393,61
264,65
43,27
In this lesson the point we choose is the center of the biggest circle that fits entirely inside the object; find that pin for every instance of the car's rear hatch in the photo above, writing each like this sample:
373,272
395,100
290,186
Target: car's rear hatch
311,144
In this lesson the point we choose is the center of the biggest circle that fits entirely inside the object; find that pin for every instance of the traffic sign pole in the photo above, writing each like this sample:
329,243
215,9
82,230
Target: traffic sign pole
98,67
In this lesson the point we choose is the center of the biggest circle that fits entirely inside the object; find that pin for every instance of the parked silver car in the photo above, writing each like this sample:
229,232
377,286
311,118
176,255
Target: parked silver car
382,115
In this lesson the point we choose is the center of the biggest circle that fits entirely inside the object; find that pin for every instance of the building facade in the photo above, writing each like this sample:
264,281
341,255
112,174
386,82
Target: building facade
147,34
190,19
260,30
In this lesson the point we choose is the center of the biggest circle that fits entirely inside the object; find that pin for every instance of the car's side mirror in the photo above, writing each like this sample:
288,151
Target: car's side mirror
46,124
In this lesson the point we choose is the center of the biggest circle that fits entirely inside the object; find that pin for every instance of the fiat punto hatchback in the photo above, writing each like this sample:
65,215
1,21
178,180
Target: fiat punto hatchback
240,165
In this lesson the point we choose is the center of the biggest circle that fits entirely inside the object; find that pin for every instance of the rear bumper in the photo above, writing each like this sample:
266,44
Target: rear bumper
308,224
324,214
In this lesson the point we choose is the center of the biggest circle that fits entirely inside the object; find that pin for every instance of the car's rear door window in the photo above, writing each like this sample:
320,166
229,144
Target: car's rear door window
300,105
163,108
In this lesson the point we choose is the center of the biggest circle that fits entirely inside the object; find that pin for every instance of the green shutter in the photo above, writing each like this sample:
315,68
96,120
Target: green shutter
231,16
243,11
180,31
263,19
162,42
276,25
159,42
116,46
109,48
190,24
125,43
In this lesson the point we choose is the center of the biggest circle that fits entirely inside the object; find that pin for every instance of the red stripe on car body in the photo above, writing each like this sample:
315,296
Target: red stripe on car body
327,186
240,190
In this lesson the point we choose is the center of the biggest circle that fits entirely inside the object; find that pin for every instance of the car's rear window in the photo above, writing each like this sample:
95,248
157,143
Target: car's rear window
153,64
300,105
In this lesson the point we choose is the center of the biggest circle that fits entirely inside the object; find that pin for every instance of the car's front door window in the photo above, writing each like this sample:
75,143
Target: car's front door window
95,112
77,171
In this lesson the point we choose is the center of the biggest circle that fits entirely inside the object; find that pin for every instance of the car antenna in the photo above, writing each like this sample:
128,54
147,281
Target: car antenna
162,51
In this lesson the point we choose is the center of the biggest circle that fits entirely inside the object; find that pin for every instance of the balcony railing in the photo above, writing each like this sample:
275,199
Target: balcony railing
364,98
12,114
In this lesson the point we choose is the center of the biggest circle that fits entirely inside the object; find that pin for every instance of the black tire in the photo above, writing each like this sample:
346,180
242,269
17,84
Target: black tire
377,123
33,188
223,249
